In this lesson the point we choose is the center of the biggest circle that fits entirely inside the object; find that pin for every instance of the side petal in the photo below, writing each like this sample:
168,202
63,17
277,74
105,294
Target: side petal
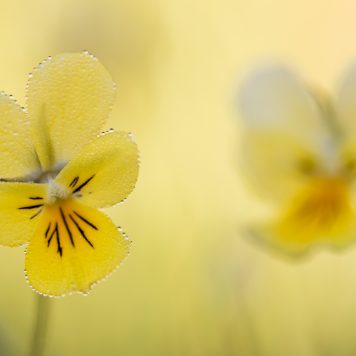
73,247
274,98
21,205
277,165
69,97
104,172
18,158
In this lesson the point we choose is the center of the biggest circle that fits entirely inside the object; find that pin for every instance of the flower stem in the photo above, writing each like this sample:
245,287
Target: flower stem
40,326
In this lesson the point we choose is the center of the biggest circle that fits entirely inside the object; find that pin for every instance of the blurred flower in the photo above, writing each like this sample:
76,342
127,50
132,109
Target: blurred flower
299,154
57,171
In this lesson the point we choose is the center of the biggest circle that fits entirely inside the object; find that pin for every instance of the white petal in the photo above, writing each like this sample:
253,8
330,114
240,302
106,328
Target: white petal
274,98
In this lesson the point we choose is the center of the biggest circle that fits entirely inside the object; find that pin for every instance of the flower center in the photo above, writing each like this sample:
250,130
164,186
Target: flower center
321,209
56,192
325,201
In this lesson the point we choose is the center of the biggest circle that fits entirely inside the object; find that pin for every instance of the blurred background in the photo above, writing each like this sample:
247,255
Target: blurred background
192,285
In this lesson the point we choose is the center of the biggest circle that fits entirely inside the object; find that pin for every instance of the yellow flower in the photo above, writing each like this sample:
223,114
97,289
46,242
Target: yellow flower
56,171
299,155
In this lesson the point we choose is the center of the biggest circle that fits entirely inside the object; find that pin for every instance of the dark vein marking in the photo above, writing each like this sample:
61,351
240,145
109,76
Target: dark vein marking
59,247
30,207
67,227
81,231
74,182
48,228
35,198
85,220
52,234
36,214
83,184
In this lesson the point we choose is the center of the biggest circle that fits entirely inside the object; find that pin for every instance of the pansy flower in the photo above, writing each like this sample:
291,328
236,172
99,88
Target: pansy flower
57,169
299,155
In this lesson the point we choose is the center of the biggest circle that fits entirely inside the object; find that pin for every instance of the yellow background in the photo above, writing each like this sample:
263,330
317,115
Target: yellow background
192,285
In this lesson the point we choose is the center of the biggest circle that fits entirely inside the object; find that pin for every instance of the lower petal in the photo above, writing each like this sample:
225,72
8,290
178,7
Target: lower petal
73,248
321,214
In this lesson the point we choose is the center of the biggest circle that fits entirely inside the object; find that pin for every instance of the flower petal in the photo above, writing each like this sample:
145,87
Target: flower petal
73,247
105,171
18,157
274,98
320,214
277,165
346,101
69,98
21,206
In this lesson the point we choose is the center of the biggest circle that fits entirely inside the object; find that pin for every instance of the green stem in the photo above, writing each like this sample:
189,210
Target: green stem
40,326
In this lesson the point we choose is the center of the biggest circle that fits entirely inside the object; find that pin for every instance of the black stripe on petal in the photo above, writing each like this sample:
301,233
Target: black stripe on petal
30,207
85,220
67,227
81,230
81,186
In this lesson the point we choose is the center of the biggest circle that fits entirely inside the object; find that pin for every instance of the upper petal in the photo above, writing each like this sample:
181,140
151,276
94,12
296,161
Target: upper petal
104,172
21,205
68,100
17,155
346,101
275,99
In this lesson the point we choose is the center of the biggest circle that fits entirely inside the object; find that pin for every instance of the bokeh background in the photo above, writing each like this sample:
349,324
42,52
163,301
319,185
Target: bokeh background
192,285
